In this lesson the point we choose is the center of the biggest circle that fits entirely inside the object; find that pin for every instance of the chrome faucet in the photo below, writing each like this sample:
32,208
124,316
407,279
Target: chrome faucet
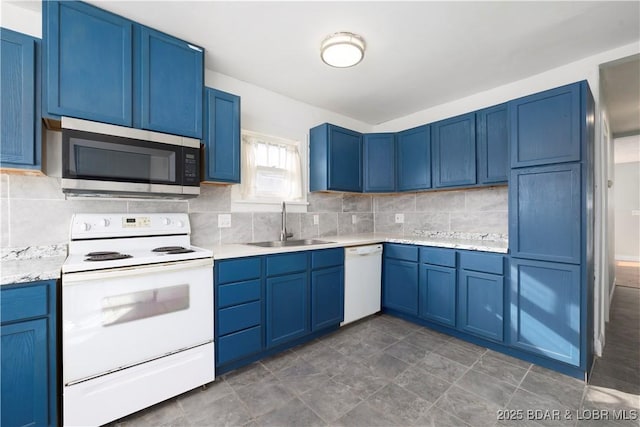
284,235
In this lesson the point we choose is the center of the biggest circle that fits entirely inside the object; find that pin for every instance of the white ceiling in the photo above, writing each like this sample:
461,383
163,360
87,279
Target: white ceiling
419,54
621,87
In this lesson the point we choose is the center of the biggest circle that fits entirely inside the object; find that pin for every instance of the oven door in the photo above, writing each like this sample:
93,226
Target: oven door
113,319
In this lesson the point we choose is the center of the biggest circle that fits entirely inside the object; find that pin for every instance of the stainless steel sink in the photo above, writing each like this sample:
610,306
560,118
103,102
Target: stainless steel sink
281,244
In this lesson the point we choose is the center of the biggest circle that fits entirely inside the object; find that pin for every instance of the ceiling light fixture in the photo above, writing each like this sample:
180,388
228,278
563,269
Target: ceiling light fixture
342,50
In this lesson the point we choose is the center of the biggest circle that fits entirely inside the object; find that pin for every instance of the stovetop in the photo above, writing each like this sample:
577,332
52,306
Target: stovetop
107,241
82,262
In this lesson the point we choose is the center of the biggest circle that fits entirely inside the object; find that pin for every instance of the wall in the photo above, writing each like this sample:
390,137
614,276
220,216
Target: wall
626,198
584,69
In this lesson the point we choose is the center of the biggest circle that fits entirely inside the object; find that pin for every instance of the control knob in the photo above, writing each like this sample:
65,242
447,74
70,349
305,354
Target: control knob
166,221
85,226
105,222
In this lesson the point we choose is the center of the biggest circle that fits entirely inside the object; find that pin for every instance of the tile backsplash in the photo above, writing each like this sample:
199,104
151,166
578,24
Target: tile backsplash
34,212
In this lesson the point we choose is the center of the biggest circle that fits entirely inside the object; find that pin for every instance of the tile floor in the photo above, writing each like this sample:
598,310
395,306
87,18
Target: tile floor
387,372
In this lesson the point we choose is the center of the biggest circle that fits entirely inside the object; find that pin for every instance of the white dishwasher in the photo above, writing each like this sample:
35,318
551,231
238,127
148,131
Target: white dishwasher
362,281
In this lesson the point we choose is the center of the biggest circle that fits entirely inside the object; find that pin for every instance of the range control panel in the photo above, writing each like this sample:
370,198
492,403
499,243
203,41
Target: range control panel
89,226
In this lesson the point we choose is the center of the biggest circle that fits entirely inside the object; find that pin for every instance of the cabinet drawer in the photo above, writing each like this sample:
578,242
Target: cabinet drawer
240,344
23,302
327,258
478,261
236,270
287,263
404,252
238,317
438,256
238,293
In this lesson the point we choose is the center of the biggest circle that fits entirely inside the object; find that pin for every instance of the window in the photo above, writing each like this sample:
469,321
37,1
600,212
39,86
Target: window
271,169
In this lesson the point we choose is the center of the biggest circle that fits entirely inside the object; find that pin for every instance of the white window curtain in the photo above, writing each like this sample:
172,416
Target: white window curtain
271,168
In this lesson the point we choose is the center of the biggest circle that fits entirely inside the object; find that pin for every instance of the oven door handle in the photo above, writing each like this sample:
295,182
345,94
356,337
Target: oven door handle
136,270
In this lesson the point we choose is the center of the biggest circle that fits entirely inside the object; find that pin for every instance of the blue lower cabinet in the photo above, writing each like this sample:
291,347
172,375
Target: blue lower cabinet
481,304
438,294
287,308
238,345
327,297
28,356
400,291
545,309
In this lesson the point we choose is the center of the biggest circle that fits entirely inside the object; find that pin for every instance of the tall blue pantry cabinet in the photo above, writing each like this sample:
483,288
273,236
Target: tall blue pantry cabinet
551,225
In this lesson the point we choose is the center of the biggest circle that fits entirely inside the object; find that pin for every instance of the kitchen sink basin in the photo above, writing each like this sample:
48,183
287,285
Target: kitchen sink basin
281,244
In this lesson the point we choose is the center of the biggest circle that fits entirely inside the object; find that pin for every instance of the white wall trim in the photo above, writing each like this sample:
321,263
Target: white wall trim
627,258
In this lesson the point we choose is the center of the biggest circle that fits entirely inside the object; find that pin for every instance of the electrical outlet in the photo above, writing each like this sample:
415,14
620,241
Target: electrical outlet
354,219
224,220
316,219
399,218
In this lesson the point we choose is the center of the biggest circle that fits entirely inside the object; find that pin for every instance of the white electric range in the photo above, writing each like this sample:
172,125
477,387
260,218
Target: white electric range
137,315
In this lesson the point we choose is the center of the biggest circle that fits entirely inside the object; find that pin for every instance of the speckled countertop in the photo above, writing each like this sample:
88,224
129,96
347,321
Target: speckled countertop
31,264
467,242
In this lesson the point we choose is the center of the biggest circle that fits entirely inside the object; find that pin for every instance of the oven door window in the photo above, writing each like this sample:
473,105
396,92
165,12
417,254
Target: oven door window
110,158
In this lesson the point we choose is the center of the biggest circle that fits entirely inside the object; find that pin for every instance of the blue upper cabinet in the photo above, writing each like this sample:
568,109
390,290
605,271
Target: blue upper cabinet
546,309
335,159
20,136
221,136
545,213
102,67
413,159
454,151
89,63
379,162
171,86
545,127
493,145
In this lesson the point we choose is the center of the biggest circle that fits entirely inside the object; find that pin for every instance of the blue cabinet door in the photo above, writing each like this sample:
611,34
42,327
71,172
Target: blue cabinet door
413,159
545,127
287,308
400,286
379,162
25,387
20,133
454,151
545,212
438,294
335,159
221,136
545,309
345,160
493,145
327,297
481,304
172,75
88,63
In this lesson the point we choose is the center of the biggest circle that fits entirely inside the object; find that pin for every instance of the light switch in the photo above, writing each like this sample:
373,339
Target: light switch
316,219
635,212
399,218
354,219
224,220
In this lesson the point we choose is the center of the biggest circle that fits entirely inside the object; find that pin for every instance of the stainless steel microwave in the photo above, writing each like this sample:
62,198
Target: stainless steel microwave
99,159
